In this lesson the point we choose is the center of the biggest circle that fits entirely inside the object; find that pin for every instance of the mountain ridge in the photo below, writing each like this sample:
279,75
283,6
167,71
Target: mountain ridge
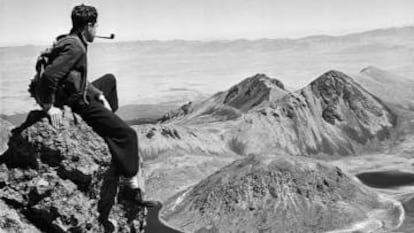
333,114
330,118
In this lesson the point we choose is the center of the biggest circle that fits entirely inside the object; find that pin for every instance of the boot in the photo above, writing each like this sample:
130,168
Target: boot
137,197
136,193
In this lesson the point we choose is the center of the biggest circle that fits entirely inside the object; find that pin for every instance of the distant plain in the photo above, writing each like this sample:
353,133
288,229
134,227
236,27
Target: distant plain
174,72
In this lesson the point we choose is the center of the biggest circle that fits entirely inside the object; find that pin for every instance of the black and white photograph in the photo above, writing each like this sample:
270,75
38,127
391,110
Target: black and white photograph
207,116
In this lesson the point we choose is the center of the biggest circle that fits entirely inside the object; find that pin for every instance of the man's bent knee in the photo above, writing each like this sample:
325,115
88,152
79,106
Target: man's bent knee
110,78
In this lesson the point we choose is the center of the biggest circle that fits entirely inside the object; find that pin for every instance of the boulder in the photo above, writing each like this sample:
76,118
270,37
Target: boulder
53,177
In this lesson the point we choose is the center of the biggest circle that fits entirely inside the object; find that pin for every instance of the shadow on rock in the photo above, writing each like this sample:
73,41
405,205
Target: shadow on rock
16,144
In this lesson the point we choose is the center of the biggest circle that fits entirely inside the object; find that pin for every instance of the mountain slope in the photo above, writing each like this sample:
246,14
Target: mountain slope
389,87
279,194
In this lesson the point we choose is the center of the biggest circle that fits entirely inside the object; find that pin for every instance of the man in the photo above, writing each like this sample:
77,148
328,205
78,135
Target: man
64,82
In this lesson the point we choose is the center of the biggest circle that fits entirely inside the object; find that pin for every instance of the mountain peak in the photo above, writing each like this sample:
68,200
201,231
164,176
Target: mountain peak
333,75
254,91
332,84
335,87
265,79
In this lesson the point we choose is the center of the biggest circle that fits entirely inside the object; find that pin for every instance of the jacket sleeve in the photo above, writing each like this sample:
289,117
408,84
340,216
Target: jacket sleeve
92,90
68,54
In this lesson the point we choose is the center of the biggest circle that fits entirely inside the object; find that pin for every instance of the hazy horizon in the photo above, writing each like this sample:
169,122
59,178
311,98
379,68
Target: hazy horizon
99,41
26,22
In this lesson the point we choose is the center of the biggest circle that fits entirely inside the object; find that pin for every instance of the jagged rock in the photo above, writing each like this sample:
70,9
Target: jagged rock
180,112
12,222
280,194
53,177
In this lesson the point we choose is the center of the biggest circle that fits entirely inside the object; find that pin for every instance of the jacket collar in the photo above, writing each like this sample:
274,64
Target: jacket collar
81,37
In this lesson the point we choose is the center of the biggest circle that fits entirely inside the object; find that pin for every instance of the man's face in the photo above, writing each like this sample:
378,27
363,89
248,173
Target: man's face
90,32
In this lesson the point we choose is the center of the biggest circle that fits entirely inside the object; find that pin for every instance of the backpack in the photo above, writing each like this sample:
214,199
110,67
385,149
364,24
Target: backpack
34,86
44,59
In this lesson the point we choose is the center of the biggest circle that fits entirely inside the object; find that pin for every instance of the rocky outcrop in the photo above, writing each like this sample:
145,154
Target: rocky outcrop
280,194
53,178
184,110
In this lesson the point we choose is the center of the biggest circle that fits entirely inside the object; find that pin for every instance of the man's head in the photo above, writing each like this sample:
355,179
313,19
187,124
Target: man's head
84,21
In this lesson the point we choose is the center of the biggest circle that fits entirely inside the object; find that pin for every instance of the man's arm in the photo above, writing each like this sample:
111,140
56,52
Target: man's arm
98,95
94,91
70,52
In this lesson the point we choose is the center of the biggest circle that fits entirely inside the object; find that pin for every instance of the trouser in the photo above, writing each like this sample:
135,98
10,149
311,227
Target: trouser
120,138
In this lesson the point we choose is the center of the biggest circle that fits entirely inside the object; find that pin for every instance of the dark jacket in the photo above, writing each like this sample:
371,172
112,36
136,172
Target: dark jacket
64,80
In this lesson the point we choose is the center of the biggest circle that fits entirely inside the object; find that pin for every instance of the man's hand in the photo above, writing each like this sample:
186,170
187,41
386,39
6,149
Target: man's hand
55,116
105,102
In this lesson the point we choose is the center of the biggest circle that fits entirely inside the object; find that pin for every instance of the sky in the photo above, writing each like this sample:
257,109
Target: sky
40,21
